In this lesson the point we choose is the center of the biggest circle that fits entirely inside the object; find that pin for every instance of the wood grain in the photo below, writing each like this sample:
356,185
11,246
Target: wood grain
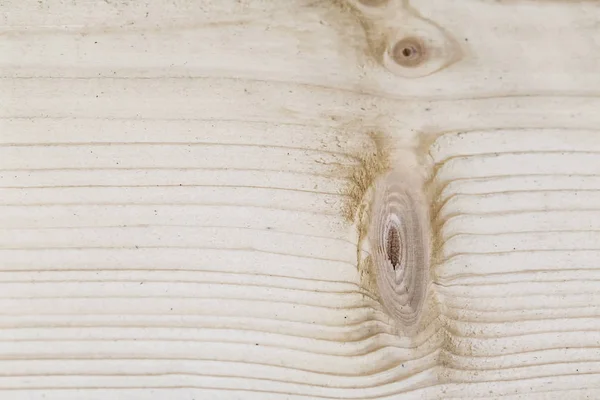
176,176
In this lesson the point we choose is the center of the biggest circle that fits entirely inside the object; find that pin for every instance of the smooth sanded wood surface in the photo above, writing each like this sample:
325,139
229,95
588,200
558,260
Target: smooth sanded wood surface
174,199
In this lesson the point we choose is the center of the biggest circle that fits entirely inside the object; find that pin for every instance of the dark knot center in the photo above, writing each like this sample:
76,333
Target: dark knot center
392,249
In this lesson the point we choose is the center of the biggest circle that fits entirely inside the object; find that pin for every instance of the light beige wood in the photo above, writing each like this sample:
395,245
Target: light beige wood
187,194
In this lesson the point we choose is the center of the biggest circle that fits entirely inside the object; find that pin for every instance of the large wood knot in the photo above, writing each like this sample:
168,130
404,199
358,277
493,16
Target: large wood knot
399,242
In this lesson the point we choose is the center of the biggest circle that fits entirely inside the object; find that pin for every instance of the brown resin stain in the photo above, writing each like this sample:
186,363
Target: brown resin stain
372,163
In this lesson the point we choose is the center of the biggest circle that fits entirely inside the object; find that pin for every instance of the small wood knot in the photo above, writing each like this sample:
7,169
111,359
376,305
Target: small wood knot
393,247
409,52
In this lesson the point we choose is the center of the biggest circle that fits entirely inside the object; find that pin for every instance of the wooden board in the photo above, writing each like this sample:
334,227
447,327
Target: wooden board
187,190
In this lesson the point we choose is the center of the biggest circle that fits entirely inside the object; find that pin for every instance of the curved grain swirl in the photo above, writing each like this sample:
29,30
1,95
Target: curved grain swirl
400,247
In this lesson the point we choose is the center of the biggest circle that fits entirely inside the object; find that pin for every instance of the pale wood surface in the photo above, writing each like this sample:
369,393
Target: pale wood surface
174,180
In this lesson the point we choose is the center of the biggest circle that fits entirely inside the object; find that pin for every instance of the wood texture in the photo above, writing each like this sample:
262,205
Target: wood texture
176,179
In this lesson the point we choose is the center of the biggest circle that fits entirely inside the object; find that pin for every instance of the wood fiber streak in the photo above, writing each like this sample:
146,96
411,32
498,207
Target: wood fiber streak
175,211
